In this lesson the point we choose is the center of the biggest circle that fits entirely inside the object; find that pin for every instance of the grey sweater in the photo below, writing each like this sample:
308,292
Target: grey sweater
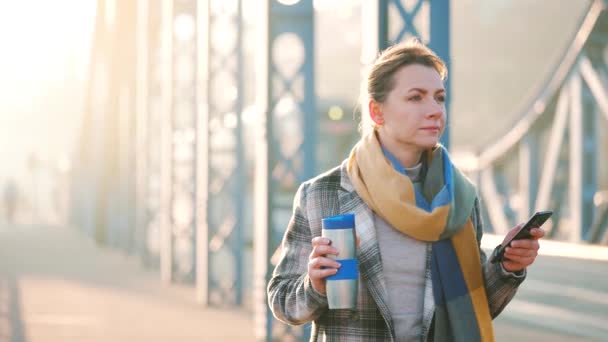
404,266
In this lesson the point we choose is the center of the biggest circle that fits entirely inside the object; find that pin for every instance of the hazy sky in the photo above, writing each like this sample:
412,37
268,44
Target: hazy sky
44,51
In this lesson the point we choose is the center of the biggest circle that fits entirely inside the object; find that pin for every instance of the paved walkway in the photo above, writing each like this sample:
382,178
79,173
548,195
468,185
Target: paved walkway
58,286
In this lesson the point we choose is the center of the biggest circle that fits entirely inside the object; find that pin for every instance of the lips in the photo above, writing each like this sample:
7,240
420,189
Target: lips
431,128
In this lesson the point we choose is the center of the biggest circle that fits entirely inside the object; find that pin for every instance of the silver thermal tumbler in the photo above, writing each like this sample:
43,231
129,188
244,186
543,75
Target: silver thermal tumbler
342,287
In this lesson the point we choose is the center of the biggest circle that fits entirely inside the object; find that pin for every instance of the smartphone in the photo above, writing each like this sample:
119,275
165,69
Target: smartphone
535,221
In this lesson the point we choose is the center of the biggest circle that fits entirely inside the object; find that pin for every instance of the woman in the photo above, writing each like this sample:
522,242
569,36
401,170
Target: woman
423,275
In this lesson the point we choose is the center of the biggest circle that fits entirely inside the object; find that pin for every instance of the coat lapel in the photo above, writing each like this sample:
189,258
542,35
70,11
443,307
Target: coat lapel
368,251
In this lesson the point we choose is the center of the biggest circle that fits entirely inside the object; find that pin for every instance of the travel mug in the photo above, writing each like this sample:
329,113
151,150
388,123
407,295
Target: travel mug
342,287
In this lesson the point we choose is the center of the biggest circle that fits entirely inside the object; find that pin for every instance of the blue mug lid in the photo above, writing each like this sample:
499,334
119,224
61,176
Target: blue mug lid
339,222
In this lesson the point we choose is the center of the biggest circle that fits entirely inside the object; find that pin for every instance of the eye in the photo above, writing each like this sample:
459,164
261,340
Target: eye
415,98
440,98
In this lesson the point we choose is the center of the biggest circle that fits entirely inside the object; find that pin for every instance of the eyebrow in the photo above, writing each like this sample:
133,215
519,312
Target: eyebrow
424,91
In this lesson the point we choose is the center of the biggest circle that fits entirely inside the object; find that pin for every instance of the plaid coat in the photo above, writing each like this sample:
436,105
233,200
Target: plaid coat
294,301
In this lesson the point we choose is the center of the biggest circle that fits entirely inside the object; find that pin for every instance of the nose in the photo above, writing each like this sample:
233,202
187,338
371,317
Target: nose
435,111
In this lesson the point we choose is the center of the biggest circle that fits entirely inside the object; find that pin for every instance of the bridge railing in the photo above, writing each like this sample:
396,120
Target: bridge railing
554,156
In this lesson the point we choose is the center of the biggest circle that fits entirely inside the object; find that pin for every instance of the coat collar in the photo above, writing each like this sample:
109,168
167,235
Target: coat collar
368,251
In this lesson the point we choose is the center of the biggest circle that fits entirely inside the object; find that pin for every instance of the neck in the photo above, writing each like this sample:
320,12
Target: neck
407,155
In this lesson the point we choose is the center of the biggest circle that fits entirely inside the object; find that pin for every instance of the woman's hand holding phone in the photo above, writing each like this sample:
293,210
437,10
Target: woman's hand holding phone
520,247
521,253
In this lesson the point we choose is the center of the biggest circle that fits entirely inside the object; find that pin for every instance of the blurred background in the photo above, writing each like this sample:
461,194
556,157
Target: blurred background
151,150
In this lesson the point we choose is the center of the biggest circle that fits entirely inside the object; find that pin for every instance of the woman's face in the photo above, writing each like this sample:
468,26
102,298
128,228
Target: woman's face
413,113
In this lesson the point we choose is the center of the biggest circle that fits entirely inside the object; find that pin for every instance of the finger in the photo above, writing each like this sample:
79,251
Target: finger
323,250
515,266
319,240
322,273
321,262
523,260
537,233
526,244
512,266
520,252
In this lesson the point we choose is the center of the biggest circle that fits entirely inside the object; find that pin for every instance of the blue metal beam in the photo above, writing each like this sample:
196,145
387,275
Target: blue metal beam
149,116
437,38
225,162
169,194
288,140
183,139
440,43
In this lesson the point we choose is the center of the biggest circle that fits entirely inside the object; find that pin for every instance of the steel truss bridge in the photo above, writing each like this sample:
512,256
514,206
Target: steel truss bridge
201,121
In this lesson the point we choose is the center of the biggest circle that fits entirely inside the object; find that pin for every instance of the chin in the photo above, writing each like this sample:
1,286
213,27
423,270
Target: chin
428,143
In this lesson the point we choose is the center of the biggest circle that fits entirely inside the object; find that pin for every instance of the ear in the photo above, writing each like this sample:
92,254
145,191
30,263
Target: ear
375,112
